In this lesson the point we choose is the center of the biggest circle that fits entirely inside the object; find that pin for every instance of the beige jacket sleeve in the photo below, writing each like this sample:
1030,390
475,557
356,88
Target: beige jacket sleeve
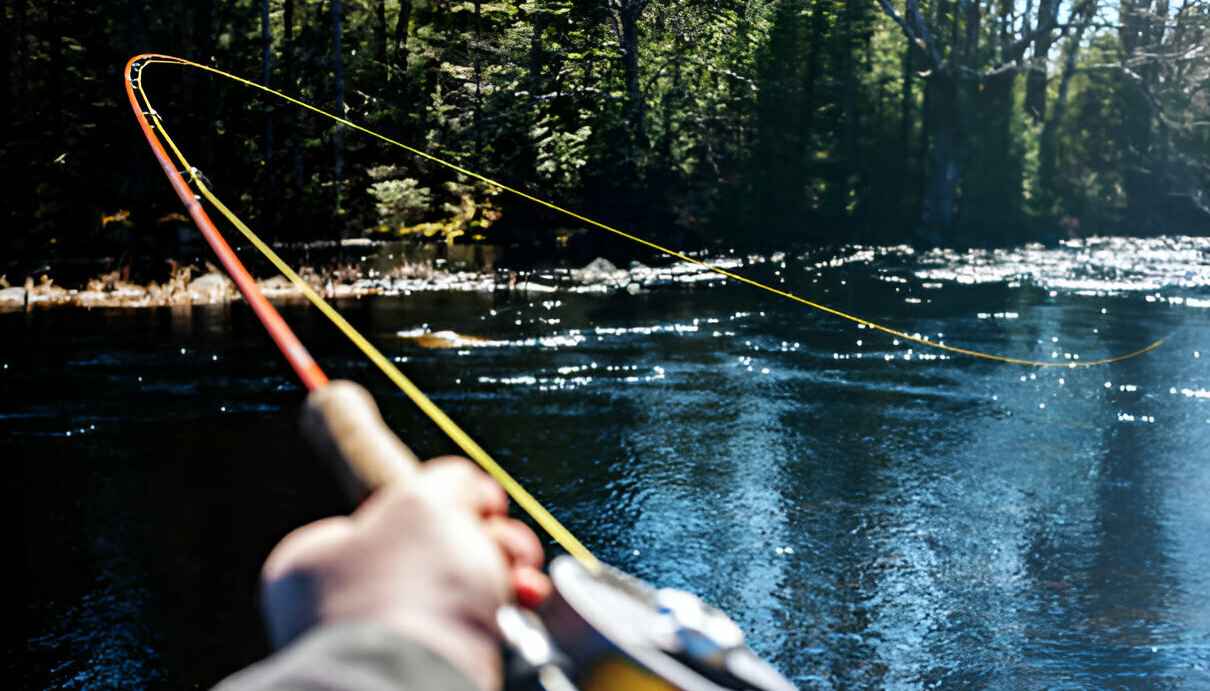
350,657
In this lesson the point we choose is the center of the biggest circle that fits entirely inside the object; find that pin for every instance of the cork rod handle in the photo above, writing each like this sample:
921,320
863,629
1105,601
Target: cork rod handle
343,425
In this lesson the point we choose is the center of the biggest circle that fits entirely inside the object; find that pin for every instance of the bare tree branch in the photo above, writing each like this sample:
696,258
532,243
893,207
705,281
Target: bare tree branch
916,30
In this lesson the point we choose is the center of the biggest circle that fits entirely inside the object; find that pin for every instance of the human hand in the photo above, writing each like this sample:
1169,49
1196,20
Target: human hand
431,556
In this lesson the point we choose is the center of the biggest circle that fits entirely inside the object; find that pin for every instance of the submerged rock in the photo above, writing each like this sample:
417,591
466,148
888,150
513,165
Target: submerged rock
442,339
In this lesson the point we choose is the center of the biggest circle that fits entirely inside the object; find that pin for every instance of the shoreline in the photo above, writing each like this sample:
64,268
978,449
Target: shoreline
215,288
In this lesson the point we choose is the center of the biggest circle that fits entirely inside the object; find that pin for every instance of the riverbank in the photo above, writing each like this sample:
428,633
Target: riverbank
358,280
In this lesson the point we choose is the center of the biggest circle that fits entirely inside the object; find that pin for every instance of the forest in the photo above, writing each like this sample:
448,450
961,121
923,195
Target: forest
702,123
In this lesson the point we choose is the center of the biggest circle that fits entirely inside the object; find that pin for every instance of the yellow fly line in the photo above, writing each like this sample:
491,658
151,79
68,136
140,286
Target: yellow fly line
903,335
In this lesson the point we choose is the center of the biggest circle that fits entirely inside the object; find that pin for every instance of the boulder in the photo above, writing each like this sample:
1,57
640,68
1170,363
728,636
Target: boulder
277,286
600,270
211,287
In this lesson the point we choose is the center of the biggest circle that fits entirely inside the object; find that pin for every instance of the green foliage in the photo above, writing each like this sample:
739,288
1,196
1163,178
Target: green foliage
469,210
399,201
736,121
560,154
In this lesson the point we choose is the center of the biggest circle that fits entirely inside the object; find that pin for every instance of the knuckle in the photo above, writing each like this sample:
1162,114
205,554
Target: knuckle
303,548
457,465
528,547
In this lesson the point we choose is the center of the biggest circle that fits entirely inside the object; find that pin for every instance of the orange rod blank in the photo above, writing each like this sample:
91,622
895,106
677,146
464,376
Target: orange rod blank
295,353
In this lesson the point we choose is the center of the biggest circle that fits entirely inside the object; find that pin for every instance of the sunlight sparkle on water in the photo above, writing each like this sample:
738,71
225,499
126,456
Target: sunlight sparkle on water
1096,265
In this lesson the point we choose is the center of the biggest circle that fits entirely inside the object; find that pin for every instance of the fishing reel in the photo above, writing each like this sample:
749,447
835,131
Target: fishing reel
605,630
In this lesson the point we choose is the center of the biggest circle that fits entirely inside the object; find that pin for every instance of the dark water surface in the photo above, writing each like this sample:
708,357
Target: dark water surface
872,518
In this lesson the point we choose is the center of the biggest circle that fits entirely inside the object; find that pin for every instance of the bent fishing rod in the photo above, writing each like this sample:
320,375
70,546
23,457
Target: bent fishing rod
607,630
600,629
444,161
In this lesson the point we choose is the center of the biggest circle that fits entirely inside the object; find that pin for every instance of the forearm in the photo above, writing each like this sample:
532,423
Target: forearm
350,657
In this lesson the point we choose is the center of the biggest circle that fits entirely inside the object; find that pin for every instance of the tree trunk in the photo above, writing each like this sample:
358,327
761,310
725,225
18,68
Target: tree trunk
20,49
401,38
338,144
938,213
664,187
1137,119
266,73
380,38
969,51
781,152
1047,193
477,113
819,24
290,59
805,156
266,42
671,105
907,110
849,170
533,85
54,75
537,56
6,53
992,181
203,88
1035,82
635,110
401,48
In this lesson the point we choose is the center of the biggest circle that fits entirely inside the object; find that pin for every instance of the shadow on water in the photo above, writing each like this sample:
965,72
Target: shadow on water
875,516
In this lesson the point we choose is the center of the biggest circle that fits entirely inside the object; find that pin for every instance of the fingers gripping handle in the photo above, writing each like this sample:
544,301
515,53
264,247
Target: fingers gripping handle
342,423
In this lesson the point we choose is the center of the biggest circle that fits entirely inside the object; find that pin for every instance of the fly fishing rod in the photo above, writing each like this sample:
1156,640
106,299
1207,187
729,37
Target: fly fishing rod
600,629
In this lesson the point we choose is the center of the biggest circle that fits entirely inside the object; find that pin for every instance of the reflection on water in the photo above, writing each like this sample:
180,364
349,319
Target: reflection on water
874,515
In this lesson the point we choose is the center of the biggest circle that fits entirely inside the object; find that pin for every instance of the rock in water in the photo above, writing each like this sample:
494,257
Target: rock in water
211,287
599,270
445,339
277,286
600,265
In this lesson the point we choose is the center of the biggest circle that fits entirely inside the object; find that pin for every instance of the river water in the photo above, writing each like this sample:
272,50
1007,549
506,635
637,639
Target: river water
874,516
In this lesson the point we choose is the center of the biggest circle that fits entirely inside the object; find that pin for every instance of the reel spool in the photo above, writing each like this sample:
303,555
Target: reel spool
610,631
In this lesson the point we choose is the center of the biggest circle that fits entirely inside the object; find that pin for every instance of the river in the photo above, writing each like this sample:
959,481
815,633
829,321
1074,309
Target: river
873,515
